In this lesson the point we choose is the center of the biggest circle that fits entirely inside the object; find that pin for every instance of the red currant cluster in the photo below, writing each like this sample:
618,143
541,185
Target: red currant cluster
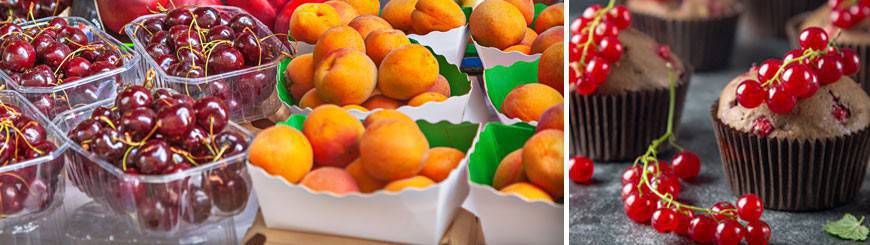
799,74
848,13
595,45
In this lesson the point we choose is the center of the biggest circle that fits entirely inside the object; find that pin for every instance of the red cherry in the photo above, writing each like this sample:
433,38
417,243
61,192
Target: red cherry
768,69
620,16
828,69
686,165
702,229
610,49
757,233
749,207
779,101
582,170
723,210
750,94
638,208
597,70
664,220
813,38
729,232
850,60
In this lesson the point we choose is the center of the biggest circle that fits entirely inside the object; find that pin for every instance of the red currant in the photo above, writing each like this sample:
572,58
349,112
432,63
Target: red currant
762,126
834,3
605,29
791,55
638,208
813,38
631,174
597,70
828,69
702,229
729,232
591,11
665,184
859,12
577,25
664,220
659,168
750,94
749,207
851,62
582,170
723,210
610,49
686,165
840,112
796,79
628,189
683,220
842,18
664,52
620,16
779,101
757,233
585,87
768,69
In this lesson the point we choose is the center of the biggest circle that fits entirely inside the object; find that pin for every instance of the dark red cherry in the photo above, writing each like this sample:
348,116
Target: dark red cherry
9,28
242,22
100,67
78,66
18,56
138,122
43,40
55,54
175,121
39,76
246,43
72,36
198,207
45,103
220,33
212,114
57,23
179,16
225,59
161,37
156,50
233,142
229,191
111,56
133,97
153,25
85,130
187,39
206,17
165,61
153,157
195,140
107,144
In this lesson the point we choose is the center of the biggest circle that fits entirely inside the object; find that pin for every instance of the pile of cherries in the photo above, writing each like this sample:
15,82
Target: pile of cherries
848,13
161,134
203,41
595,45
19,10
30,188
782,82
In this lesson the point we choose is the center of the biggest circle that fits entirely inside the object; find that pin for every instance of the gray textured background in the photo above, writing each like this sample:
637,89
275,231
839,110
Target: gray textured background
596,214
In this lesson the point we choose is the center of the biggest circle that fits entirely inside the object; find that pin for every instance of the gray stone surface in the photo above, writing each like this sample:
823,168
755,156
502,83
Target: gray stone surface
596,214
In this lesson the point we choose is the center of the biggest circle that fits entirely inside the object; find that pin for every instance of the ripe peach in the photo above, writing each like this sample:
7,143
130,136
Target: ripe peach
381,102
510,170
418,182
398,13
345,12
551,66
311,99
379,43
440,161
407,71
365,6
436,15
366,182
527,102
283,151
543,158
550,17
336,38
330,179
300,75
334,135
497,23
547,39
528,191
365,24
393,149
526,7
441,86
426,98
309,20
386,115
345,77
518,48
552,118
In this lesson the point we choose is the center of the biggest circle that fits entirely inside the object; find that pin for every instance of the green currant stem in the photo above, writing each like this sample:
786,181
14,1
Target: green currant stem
590,30
808,54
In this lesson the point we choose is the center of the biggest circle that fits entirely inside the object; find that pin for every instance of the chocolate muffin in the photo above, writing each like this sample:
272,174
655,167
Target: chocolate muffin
768,17
630,108
811,158
702,32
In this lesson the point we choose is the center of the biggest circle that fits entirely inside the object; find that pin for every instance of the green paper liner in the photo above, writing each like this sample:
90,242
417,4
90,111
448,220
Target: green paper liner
494,143
793,174
861,49
500,80
620,127
705,43
768,17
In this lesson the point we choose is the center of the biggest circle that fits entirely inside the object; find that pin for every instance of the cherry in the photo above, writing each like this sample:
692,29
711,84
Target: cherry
224,58
157,49
107,144
18,56
664,220
190,56
12,199
85,130
153,157
779,101
851,62
100,67
133,97
57,23
229,190
686,165
702,229
638,208
198,205
176,120
153,25
72,36
233,142
220,33
161,37
195,140
138,122
77,66
729,232
187,39
723,211
206,17
582,169
813,38
39,76
243,21
155,215
749,207
179,16
246,43
42,41
165,61
9,28
55,54
757,232
30,131
44,103
828,69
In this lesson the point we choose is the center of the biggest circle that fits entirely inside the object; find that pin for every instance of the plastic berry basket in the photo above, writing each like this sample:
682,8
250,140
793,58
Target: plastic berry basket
39,182
162,205
250,92
86,90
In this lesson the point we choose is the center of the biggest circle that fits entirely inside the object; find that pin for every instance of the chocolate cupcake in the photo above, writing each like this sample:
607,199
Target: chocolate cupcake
813,157
768,17
623,114
701,32
855,35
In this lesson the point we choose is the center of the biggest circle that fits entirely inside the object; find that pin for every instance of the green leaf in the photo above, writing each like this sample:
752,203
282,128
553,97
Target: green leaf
849,228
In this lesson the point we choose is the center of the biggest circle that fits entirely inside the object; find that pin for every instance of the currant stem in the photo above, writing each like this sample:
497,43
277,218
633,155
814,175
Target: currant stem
590,29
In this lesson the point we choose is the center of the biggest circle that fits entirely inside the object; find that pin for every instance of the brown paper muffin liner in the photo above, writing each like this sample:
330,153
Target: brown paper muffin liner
705,43
768,17
793,174
620,127
861,49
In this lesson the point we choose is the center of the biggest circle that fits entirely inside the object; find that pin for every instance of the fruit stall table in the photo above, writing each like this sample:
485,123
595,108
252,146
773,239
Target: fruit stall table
596,214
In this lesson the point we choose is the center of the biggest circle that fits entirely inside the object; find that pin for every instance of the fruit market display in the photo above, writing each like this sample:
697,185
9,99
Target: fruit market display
535,171
507,26
337,153
528,102
423,16
23,10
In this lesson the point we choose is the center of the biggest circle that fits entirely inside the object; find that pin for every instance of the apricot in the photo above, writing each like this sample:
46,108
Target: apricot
543,158
393,149
547,39
426,98
524,49
528,191
346,13
407,71
551,66
529,37
418,182
300,75
529,101
283,151
550,17
311,99
330,179
398,13
334,135
526,7
336,38
347,76
497,23
510,170
309,20
366,182
440,161
436,15
552,118
381,102
379,43
365,24
355,107
386,115
365,6
441,86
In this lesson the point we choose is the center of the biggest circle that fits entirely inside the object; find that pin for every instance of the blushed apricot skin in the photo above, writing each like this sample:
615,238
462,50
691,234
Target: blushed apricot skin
426,98
523,49
550,17
551,67
300,75
418,182
334,135
526,7
379,43
547,39
407,71
393,149
345,77
529,191
510,170
365,6
336,38
366,183
497,23
529,101
385,115
398,13
529,37
309,20
311,99
436,15
345,12
381,102
366,24
543,158
441,86
440,161
283,151
552,118
330,179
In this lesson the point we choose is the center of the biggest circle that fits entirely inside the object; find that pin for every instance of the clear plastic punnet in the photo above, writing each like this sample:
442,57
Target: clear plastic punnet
250,92
184,203
86,90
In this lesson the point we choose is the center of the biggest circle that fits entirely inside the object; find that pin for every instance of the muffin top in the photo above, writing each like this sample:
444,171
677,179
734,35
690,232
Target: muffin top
684,9
821,17
837,109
